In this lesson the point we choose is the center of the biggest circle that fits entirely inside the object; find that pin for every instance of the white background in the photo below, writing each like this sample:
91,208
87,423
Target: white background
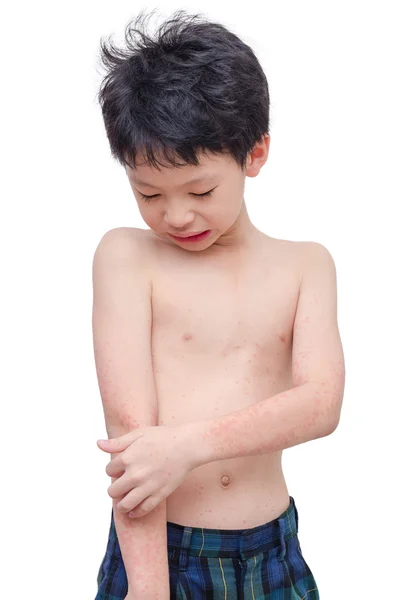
330,178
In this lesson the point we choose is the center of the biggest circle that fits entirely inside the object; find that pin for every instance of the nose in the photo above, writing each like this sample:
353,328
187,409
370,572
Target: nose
178,220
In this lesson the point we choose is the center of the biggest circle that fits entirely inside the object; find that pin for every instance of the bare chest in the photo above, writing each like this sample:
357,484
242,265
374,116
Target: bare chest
221,333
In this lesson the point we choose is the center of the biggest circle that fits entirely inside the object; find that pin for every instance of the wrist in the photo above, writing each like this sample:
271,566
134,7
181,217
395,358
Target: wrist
197,443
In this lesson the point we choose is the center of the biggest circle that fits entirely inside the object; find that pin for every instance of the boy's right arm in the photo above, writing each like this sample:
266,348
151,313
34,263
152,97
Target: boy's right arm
121,324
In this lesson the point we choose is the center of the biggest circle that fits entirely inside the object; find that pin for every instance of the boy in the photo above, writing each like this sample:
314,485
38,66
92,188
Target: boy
213,353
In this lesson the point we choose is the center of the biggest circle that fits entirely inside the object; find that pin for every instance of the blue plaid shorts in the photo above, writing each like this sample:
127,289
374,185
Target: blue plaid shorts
262,563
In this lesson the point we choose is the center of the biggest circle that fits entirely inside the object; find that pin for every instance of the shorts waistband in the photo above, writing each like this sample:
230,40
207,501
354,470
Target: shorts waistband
227,543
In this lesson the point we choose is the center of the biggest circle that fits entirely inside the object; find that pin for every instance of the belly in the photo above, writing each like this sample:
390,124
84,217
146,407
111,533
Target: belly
238,493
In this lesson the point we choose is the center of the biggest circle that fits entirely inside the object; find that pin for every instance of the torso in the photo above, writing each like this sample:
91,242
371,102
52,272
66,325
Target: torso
221,341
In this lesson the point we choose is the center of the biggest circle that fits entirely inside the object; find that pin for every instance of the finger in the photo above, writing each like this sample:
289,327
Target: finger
144,507
131,500
123,485
114,468
104,446
119,443
113,445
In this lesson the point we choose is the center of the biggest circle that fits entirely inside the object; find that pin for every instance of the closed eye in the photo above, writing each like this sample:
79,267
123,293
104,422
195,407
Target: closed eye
148,198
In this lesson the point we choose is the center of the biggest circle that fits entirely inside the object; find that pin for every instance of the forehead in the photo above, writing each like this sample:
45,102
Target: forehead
205,178
208,170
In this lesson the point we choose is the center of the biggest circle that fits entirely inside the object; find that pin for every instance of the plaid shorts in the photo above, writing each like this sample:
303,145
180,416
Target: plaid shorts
262,563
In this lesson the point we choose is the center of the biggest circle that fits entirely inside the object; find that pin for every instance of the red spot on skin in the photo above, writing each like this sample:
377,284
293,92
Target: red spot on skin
187,336
282,337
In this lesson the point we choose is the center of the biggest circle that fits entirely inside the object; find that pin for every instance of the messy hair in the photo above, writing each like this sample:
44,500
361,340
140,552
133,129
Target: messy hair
194,87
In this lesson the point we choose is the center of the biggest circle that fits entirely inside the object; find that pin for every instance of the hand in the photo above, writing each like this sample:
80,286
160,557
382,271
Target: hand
151,464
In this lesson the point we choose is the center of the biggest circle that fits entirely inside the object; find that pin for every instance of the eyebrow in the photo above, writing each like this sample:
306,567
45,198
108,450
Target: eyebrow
200,178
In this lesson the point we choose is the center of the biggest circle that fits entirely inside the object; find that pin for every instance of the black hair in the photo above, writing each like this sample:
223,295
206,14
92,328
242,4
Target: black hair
195,87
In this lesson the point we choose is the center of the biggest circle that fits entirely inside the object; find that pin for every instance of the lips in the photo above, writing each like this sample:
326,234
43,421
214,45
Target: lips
188,235
192,237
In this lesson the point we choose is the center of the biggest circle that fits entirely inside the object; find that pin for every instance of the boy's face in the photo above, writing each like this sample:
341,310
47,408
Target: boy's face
179,208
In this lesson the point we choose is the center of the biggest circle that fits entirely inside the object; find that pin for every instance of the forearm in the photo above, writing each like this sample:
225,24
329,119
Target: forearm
287,419
143,545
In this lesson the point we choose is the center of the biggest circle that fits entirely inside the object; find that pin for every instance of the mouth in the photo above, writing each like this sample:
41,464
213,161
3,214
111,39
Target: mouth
192,238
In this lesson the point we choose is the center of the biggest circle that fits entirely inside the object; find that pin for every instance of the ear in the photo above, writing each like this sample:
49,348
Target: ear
258,156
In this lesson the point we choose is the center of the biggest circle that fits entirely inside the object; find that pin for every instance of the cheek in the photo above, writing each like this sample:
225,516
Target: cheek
148,215
227,210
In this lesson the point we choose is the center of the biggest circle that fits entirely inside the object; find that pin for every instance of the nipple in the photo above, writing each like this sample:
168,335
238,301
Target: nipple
225,480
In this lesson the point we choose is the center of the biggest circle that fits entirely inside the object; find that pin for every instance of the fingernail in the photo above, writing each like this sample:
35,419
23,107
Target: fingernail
102,441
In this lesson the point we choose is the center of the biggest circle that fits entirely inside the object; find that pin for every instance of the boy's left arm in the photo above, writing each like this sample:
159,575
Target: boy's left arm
311,408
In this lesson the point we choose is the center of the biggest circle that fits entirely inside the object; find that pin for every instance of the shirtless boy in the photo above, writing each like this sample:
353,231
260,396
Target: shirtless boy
213,354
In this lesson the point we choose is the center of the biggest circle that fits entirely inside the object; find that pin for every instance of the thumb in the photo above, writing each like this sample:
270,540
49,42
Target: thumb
114,444
102,442
105,445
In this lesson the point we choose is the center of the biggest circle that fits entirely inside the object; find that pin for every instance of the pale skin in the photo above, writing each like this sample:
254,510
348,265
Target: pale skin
262,363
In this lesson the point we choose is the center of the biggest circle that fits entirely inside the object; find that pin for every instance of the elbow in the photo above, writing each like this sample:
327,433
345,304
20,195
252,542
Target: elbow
336,412
332,422
327,427
328,404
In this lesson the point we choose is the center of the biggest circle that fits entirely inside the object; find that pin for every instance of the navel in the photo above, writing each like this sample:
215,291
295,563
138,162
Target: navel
225,480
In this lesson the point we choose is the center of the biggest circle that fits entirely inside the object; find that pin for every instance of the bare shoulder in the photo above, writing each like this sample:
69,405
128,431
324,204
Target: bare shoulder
314,253
302,256
125,243
316,267
296,246
121,267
